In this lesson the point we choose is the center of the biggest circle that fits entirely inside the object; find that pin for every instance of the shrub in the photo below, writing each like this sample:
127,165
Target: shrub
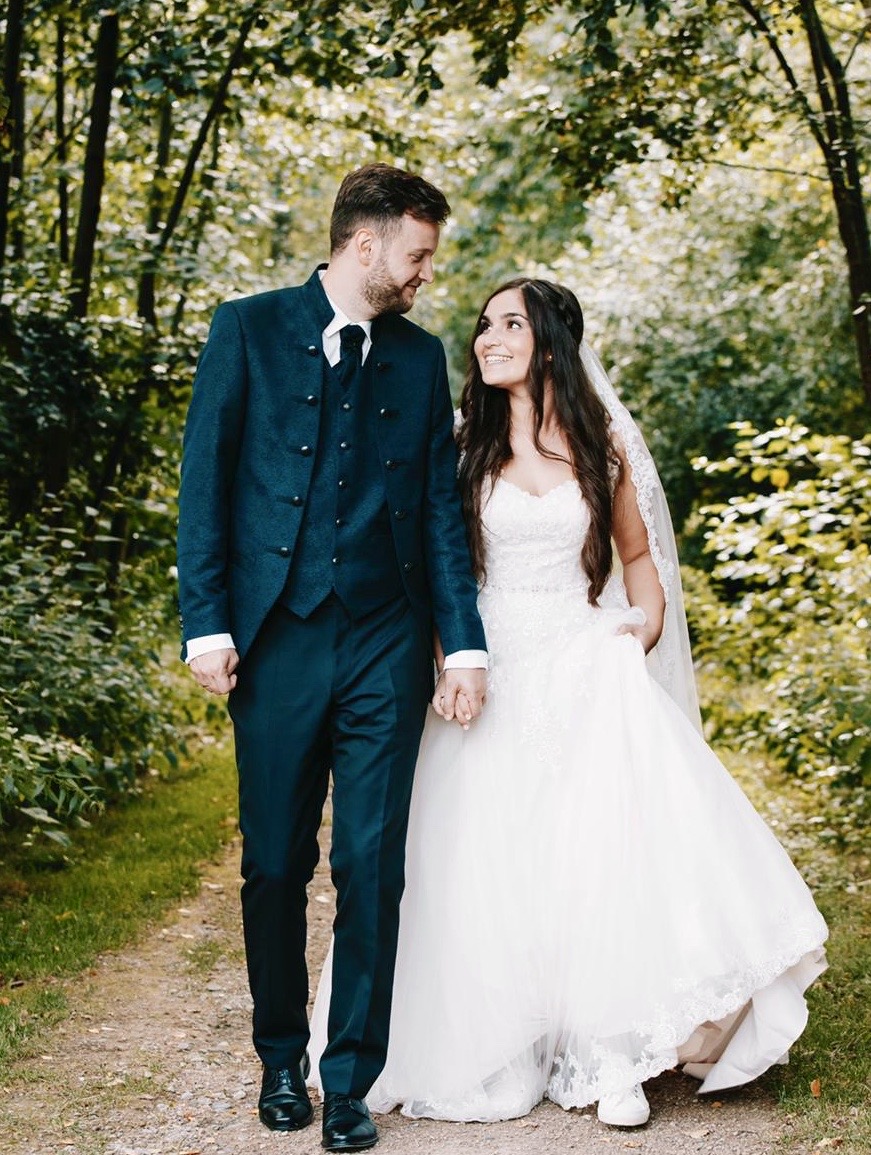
83,708
787,607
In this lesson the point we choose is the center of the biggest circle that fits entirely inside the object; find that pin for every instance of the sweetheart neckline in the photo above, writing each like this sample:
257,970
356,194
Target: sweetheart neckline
538,496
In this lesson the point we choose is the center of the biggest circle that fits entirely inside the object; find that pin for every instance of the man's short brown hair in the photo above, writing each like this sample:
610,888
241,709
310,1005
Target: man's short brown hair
380,195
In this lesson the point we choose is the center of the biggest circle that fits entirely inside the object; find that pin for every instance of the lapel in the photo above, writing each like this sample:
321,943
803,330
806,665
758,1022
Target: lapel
306,313
397,397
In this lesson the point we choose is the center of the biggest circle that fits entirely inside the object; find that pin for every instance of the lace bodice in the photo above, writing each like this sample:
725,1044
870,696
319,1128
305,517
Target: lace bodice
535,593
534,543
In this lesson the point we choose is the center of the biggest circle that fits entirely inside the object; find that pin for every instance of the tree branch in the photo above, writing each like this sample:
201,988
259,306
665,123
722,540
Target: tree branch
761,24
214,109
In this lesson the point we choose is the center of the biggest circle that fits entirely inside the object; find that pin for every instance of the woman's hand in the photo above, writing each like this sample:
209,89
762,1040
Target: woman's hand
638,625
460,695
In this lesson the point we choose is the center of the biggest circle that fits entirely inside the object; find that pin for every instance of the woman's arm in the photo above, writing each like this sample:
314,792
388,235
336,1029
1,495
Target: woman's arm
639,572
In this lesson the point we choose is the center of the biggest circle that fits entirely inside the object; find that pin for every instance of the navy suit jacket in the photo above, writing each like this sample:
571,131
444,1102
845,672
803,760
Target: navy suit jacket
249,453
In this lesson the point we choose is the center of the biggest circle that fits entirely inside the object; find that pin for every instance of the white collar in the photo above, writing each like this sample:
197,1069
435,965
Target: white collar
341,319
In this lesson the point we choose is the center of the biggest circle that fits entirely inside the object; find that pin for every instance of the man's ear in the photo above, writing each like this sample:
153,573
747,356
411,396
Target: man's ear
366,244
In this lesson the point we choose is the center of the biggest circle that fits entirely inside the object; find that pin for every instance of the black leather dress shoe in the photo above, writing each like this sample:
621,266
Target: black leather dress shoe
284,1103
348,1125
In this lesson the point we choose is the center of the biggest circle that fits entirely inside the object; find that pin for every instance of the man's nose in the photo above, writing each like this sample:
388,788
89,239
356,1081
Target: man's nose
427,272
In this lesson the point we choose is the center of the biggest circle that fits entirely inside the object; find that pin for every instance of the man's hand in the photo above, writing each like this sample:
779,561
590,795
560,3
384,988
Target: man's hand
214,671
460,694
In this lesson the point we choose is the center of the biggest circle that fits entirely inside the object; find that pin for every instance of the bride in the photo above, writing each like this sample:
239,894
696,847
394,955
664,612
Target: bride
590,897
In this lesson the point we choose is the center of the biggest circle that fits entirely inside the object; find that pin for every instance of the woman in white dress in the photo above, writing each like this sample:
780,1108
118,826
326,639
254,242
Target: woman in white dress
590,897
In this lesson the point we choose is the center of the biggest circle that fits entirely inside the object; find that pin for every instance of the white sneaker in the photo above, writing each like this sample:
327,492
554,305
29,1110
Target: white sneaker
624,1108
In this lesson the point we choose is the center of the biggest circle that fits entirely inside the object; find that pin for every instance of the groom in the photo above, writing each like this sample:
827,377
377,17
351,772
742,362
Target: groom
320,542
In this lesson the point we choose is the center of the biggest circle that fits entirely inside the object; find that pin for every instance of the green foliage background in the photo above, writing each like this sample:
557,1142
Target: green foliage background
649,155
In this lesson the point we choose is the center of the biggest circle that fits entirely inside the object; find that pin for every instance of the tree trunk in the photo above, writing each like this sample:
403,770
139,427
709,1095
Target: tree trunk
145,305
214,110
838,131
11,85
95,163
17,164
63,194
833,128
121,456
205,214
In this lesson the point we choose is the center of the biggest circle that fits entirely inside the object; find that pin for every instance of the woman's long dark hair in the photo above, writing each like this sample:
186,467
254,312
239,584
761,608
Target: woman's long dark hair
557,323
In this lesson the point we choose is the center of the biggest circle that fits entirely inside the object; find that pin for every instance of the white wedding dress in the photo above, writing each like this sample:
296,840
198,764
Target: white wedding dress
590,899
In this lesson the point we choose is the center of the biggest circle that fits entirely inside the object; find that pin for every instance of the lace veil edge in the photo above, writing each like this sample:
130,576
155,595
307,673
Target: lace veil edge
670,661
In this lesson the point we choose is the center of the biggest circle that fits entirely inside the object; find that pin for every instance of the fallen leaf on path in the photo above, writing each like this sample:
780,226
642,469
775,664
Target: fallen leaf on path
815,1088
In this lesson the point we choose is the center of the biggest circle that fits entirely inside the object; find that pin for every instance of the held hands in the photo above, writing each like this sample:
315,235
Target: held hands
460,695
214,670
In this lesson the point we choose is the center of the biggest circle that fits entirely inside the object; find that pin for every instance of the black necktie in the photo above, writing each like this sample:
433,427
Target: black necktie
351,340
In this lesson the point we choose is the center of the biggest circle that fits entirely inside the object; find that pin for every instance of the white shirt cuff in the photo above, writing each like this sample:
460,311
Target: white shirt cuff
196,647
467,660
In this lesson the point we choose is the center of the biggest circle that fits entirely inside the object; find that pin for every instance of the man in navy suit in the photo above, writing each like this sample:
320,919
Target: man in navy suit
320,546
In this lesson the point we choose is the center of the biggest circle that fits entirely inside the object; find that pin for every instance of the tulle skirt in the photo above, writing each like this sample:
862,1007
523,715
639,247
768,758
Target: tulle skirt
590,898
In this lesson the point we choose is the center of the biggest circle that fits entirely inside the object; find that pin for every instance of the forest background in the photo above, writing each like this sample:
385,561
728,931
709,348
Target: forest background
693,170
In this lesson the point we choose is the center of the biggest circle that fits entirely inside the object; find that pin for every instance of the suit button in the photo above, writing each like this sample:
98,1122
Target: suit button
387,412
285,551
409,566
340,521
343,483
311,399
390,464
335,561
305,450
296,500
400,514
381,365
312,350
344,445
346,405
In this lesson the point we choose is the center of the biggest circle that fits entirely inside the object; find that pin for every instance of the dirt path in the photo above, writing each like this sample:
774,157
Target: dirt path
156,1060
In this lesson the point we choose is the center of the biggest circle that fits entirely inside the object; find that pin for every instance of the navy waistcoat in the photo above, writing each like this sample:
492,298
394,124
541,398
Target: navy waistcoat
345,544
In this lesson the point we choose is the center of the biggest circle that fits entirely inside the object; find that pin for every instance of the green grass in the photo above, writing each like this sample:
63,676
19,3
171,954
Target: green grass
60,908
833,1056
825,1090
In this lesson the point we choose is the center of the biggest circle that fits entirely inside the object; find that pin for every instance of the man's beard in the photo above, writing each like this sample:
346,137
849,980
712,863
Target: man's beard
383,294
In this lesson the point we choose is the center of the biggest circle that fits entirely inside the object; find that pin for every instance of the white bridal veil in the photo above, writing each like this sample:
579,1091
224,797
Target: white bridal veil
670,661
